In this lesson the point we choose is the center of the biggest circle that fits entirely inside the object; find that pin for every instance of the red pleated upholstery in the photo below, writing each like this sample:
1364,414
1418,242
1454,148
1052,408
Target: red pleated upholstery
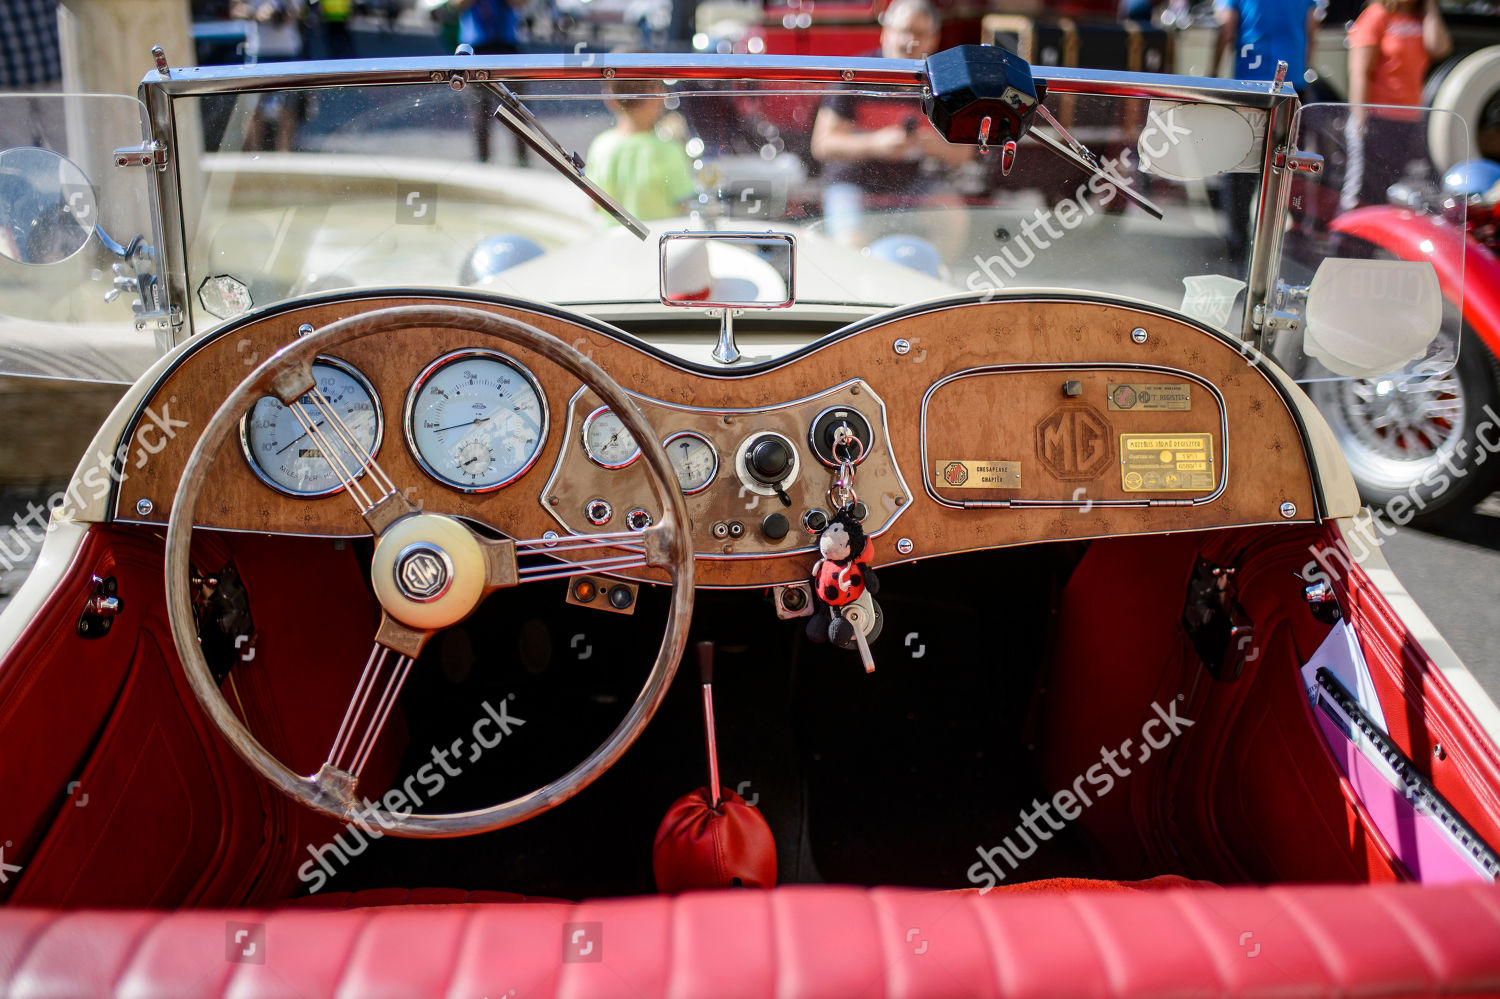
1386,940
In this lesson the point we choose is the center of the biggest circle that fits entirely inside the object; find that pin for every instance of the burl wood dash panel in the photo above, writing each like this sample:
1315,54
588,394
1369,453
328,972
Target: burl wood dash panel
1020,413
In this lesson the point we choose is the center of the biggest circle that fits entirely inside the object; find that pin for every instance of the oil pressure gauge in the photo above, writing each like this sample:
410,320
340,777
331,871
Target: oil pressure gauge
694,459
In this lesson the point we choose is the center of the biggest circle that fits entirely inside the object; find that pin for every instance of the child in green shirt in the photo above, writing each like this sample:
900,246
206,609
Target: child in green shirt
647,174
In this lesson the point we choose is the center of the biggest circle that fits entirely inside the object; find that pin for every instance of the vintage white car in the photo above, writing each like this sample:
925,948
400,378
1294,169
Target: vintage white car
1038,644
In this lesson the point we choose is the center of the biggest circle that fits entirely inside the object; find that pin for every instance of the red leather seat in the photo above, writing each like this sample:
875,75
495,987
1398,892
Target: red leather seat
1387,940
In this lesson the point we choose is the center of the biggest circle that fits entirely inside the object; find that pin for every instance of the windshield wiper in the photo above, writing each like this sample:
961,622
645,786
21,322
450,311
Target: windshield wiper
518,118
1079,154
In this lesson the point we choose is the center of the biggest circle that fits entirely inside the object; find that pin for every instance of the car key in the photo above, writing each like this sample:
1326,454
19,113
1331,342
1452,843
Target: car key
855,615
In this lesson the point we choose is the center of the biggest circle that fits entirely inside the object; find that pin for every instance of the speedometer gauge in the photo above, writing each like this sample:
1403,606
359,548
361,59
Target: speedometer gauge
694,459
290,458
475,420
606,441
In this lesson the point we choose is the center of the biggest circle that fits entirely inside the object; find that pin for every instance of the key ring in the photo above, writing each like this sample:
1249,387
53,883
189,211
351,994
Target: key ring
843,437
841,494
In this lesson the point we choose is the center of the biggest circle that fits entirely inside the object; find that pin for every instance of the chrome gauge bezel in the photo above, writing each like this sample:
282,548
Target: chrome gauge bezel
455,357
264,476
713,475
583,437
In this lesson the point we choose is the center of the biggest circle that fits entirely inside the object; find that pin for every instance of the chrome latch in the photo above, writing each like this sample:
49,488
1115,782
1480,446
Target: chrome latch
1322,601
100,609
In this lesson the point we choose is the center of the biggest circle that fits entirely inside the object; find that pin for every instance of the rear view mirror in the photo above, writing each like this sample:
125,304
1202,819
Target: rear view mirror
47,206
728,270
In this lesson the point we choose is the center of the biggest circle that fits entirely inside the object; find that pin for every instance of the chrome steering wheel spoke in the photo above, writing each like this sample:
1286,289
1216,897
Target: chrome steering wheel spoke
320,420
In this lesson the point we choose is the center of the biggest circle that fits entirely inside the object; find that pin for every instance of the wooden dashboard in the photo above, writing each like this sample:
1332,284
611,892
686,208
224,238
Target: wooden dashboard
1000,423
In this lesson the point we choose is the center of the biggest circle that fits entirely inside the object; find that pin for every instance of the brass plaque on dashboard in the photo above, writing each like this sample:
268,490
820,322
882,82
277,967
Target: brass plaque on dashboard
1166,463
1155,397
972,473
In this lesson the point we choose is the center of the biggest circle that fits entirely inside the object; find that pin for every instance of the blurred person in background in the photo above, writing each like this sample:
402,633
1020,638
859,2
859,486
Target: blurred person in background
1391,45
489,27
645,171
872,160
333,15
1260,33
276,36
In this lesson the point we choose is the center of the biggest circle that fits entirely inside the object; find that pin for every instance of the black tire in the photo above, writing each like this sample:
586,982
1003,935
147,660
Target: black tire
1433,493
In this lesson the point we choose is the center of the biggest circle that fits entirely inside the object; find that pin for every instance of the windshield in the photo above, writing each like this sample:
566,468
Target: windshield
418,186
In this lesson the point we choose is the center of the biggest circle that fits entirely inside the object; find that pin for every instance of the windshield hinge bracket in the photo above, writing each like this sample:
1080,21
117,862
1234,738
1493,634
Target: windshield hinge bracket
1275,320
1288,313
160,321
152,152
1298,162
1305,163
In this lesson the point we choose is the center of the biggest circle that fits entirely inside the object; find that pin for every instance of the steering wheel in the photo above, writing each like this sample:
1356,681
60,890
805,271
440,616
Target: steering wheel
429,571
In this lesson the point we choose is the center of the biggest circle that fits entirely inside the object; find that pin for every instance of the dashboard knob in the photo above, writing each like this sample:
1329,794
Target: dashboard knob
814,521
775,526
769,459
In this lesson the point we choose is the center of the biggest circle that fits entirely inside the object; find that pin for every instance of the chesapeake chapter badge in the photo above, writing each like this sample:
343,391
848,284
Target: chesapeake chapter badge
969,473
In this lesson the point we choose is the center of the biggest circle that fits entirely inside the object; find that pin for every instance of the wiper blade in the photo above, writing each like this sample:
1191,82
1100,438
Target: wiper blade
518,118
1078,153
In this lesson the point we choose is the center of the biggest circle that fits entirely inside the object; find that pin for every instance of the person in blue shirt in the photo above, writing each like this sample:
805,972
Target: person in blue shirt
490,27
1260,33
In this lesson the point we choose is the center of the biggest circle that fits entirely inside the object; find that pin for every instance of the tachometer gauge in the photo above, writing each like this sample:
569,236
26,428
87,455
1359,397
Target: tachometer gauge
475,420
289,458
694,459
606,441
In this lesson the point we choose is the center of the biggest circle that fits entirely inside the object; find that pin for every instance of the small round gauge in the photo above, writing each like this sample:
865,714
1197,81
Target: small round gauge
289,458
475,420
693,459
606,441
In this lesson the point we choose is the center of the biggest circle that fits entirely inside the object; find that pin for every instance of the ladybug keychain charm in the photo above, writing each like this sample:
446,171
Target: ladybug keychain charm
839,580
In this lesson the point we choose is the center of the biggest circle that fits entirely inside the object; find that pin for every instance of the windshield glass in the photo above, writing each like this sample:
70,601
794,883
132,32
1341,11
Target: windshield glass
306,191
79,292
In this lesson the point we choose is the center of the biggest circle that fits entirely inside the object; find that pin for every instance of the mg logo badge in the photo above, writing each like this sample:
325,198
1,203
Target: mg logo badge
423,573
1072,442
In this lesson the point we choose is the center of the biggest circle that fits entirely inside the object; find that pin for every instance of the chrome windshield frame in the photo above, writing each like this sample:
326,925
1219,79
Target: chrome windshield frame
160,88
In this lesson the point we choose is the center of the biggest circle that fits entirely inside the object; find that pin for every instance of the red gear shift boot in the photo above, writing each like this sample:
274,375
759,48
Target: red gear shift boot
697,847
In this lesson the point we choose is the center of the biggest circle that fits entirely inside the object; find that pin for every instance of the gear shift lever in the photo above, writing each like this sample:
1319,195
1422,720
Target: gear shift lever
706,675
712,838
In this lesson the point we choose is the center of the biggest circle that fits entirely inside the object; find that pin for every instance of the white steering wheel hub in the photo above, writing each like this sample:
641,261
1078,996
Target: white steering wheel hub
428,571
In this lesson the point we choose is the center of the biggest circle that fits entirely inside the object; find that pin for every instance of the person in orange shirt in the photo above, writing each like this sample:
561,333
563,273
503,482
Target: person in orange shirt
1391,45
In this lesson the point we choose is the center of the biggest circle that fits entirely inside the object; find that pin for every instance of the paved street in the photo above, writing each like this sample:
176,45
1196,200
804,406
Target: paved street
1455,578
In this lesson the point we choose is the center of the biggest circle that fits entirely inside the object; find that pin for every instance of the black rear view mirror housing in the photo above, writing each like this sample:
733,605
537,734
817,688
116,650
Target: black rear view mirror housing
972,83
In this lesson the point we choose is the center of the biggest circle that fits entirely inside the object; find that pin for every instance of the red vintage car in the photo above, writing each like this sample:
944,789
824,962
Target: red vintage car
1036,641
